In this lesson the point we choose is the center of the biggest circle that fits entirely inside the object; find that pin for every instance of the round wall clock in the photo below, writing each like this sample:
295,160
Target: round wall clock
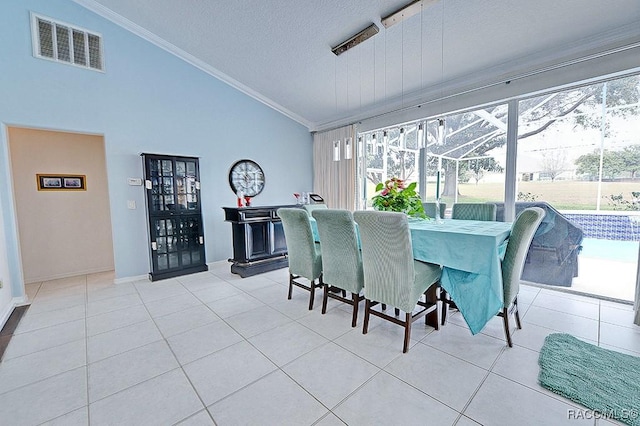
246,176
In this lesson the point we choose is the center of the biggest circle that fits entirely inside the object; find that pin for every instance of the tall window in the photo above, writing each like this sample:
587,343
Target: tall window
578,156
467,148
471,155
392,152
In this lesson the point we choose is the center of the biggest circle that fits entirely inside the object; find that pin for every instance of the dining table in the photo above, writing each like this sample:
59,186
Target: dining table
470,253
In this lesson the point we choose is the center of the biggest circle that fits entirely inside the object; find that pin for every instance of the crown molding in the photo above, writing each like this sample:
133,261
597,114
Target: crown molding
141,32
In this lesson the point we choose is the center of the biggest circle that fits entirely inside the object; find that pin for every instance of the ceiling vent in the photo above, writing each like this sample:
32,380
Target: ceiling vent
60,42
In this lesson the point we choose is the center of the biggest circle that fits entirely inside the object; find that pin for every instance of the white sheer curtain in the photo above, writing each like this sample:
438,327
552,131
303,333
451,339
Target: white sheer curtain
636,307
335,181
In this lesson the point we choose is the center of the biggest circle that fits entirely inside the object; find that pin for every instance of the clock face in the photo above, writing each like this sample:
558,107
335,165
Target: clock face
246,176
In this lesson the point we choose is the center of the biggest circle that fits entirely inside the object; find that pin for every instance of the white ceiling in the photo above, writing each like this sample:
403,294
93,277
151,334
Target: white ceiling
279,51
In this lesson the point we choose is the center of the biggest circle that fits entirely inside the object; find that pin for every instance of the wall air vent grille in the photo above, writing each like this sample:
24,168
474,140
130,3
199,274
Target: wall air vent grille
60,42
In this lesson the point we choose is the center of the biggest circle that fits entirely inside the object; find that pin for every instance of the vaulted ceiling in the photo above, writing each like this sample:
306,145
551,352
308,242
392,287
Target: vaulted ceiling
279,51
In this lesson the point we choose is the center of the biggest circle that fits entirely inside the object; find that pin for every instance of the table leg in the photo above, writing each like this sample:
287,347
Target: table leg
433,318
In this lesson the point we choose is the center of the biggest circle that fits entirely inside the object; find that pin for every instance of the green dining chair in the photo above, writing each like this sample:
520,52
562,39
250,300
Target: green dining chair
522,232
474,211
310,208
305,259
430,209
341,258
391,275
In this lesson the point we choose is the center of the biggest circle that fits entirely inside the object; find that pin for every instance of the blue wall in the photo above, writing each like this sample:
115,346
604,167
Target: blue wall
146,101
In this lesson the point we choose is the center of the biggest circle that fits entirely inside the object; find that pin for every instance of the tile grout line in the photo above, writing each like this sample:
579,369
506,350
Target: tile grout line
180,366
280,368
86,348
245,339
291,320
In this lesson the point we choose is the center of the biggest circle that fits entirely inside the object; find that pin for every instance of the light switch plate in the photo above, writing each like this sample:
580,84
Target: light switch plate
131,204
134,181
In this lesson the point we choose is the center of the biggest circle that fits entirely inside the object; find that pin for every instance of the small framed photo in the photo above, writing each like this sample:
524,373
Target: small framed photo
61,182
72,182
51,182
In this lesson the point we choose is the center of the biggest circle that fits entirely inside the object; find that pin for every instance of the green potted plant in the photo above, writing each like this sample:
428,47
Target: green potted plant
393,196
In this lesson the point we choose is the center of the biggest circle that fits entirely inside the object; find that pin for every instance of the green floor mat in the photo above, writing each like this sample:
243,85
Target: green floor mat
602,380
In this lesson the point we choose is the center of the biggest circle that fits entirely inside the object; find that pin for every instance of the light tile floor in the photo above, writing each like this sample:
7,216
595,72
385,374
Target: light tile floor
212,347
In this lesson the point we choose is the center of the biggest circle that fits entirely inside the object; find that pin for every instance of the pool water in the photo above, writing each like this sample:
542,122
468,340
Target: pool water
623,251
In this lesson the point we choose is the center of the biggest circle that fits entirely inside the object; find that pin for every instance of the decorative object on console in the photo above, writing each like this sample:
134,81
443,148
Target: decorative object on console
315,198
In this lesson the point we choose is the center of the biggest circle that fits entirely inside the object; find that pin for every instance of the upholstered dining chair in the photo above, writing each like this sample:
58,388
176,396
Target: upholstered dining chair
310,208
391,275
474,211
341,258
430,209
522,232
305,259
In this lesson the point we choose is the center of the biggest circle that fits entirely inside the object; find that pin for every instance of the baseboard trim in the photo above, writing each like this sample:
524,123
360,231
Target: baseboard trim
131,279
68,275
14,303
4,315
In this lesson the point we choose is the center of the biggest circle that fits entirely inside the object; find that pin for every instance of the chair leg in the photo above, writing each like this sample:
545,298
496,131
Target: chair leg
517,313
313,293
407,332
325,296
290,286
354,318
367,308
505,320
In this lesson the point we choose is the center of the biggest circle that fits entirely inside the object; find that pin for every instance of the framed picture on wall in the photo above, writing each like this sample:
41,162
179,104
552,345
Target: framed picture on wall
61,182
72,182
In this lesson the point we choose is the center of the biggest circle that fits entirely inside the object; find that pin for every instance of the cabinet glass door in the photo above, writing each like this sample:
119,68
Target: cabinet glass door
176,235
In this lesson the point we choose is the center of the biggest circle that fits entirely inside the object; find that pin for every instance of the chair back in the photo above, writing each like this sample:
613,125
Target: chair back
304,258
430,209
522,232
387,258
341,258
311,207
474,211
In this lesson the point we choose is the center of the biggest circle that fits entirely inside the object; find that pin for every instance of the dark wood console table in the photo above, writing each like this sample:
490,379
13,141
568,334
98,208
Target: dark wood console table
258,240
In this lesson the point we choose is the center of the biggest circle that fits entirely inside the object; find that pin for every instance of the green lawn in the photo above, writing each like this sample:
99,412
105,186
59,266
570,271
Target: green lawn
564,195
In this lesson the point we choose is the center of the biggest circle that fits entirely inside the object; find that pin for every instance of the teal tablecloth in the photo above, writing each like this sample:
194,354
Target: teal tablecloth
470,252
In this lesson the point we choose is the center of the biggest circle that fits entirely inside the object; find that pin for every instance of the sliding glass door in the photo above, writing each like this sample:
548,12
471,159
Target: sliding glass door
579,152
